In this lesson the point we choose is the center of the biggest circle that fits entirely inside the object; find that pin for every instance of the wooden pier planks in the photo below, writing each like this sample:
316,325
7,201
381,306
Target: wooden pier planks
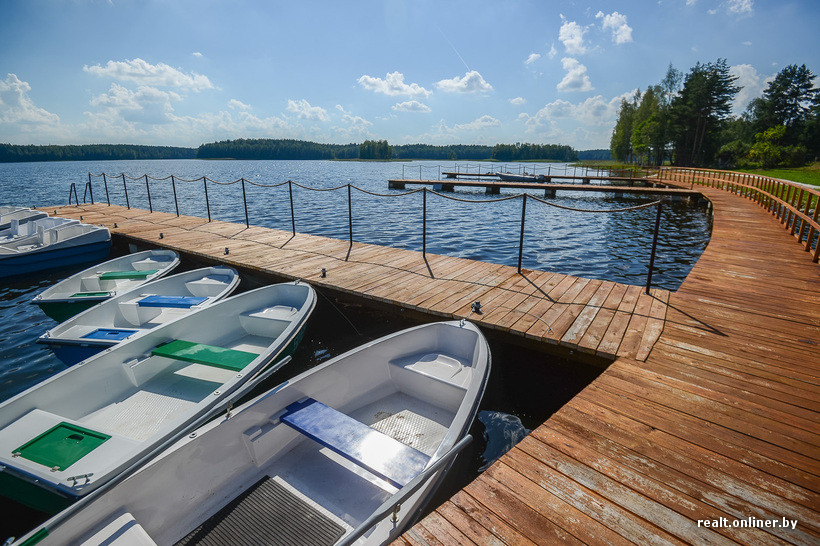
549,307
721,420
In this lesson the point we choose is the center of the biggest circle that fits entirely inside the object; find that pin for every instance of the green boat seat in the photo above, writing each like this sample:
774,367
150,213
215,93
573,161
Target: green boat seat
62,445
90,294
120,275
199,353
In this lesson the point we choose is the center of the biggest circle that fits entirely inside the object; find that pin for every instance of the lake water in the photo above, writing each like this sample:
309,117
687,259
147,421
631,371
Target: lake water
611,246
525,387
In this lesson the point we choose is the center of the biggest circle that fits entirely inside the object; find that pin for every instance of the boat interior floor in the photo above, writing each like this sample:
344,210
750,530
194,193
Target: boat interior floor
344,492
271,513
159,400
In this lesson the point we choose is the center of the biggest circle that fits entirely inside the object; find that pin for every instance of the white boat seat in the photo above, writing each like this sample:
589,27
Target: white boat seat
123,530
378,453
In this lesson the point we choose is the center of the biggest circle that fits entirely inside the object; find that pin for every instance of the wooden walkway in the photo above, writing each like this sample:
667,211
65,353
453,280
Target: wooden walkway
600,318
720,421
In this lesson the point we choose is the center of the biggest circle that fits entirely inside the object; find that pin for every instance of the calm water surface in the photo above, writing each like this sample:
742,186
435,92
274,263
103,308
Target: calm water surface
604,246
525,387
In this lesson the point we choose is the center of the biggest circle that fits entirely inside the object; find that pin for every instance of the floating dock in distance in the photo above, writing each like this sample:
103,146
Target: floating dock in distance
495,187
584,178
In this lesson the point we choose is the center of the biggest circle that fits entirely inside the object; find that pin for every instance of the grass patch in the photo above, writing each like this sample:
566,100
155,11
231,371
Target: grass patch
805,175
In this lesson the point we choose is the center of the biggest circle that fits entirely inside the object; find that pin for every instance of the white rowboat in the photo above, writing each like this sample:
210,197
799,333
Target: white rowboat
137,311
346,452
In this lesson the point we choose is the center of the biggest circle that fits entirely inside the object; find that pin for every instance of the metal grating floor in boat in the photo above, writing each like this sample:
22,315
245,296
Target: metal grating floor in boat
267,513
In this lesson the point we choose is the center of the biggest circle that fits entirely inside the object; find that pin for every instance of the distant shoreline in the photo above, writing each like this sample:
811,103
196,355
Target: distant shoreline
288,149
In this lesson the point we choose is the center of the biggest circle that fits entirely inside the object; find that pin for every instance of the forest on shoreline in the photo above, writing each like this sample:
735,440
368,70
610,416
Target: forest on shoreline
273,149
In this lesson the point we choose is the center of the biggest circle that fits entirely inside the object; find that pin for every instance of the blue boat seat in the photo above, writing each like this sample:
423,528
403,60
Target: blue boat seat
180,302
109,334
387,458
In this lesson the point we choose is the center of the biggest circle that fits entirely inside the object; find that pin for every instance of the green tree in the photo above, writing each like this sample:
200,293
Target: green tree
699,111
620,145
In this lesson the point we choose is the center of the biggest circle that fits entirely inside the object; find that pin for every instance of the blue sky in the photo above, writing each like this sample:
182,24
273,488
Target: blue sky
185,72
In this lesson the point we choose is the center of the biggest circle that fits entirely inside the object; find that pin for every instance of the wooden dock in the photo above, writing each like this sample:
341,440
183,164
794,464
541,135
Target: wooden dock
709,411
495,187
720,421
585,178
599,318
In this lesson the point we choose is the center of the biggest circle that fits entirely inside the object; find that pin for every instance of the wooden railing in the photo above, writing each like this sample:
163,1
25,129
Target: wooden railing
795,205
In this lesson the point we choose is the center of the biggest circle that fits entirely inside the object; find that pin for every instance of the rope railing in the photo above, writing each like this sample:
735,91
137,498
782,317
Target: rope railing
349,187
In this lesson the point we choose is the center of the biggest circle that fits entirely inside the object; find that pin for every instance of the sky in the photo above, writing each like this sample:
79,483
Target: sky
188,72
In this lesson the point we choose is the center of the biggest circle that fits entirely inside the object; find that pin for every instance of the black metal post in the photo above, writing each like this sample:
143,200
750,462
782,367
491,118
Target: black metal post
105,183
654,246
424,222
521,238
125,188
148,189
89,186
174,187
85,191
292,215
207,203
245,202
350,215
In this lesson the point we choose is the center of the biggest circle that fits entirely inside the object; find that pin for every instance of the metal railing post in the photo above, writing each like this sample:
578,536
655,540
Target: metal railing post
90,189
521,238
125,189
245,202
292,215
654,247
207,202
350,215
174,186
148,190
105,183
424,222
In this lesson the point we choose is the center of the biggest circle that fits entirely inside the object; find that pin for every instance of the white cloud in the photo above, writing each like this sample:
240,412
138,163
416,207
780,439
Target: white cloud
411,106
518,101
238,105
751,82
197,54
479,124
144,73
711,11
746,43
591,112
691,2
392,85
147,104
616,22
16,107
471,82
532,58
571,35
304,110
592,118
552,52
740,7
576,78
355,127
